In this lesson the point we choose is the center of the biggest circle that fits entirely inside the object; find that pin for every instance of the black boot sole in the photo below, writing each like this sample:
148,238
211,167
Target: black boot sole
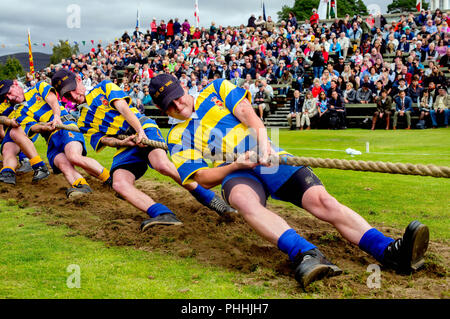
417,235
319,272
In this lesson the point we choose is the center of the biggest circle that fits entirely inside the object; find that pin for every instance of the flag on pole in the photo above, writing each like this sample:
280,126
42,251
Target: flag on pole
419,5
137,19
322,9
333,8
196,13
30,55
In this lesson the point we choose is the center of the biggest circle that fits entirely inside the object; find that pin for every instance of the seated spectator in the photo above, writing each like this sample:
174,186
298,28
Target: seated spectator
286,82
298,73
441,107
309,110
349,94
403,107
136,98
322,109
295,110
364,94
426,105
415,91
337,116
260,101
249,69
334,87
378,89
317,88
384,109
147,99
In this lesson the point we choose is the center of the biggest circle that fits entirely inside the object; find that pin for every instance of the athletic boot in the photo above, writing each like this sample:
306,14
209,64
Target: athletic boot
40,173
25,167
406,254
312,265
78,191
8,177
218,205
163,219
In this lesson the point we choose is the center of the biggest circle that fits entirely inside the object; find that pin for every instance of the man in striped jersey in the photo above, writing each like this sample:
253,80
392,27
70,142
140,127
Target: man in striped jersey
15,138
109,114
221,120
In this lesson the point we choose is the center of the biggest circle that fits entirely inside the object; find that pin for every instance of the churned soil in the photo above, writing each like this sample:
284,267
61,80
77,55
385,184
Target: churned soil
228,243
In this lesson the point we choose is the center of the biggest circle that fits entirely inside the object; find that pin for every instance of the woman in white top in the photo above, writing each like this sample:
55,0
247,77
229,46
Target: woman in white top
309,110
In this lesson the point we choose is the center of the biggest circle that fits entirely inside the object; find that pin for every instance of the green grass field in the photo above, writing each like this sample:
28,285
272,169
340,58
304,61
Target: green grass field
34,256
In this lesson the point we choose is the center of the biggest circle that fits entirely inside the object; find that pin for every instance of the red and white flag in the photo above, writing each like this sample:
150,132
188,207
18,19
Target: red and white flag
419,5
196,13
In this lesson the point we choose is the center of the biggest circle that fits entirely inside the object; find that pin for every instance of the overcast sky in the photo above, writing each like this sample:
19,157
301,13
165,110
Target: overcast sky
106,20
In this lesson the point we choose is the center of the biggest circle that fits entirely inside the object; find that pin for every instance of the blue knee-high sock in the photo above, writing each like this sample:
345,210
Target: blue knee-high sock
158,209
374,243
22,156
292,243
203,195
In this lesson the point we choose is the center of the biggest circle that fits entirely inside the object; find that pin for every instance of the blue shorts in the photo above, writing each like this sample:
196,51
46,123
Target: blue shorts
135,159
58,141
8,138
271,178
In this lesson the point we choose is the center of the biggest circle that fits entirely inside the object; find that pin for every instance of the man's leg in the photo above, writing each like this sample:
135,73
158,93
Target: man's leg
8,171
433,117
74,153
123,183
160,162
248,196
387,115
66,167
394,124
297,120
304,189
26,145
374,119
289,119
322,205
408,119
446,116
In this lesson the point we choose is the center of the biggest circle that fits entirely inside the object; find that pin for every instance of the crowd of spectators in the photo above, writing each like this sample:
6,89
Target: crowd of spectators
324,67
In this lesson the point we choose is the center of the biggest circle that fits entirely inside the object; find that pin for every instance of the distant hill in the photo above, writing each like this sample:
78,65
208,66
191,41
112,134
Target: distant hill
41,60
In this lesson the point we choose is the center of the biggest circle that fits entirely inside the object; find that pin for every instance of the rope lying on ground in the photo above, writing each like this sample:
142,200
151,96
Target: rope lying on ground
364,166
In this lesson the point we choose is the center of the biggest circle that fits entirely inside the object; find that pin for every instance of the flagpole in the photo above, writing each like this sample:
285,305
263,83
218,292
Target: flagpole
328,7
335,8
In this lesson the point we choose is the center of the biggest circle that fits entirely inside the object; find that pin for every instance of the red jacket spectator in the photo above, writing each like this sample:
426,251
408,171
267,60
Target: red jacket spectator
170,29
316,91
314,18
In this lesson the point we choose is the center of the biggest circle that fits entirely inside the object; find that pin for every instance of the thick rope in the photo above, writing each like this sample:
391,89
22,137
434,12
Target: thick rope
364,166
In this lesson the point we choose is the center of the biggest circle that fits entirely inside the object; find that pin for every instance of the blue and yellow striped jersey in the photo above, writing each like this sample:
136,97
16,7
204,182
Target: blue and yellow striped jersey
212,128
6,109
36,107
101,118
